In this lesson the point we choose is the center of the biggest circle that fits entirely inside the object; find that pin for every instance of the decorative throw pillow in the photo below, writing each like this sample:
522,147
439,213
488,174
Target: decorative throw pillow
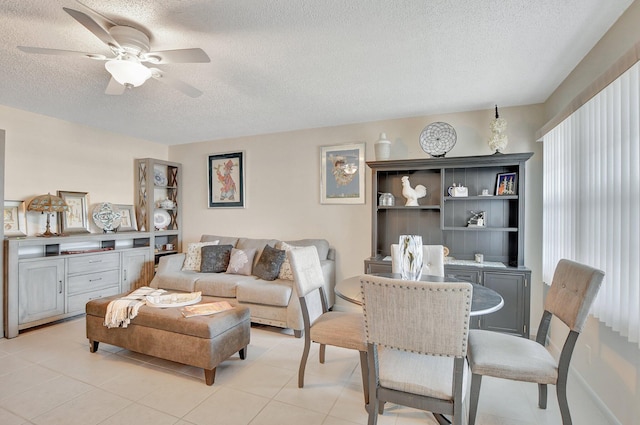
194,255
241,261
285,270
269,263
215,258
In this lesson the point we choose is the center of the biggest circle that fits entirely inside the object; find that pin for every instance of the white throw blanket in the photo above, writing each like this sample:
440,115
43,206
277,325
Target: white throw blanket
121,311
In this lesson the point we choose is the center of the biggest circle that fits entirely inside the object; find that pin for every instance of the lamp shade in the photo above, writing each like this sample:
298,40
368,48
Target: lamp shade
128,71
48,203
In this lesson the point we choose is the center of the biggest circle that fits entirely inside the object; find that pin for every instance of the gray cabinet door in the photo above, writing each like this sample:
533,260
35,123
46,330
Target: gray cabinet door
41,290
135,269
513,316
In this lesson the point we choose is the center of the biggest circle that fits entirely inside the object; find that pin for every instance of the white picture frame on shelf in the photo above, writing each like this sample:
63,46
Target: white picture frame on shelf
342,174
128,223
76,219
15,221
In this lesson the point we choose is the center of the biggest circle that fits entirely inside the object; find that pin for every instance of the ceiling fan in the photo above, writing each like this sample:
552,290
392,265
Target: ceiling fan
131,49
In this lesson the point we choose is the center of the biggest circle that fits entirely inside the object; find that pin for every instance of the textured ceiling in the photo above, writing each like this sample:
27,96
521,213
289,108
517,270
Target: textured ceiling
280,65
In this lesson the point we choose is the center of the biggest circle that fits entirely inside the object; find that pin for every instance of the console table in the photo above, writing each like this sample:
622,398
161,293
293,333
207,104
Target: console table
48,279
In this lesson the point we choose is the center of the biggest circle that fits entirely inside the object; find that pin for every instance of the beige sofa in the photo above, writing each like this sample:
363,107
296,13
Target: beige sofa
272,303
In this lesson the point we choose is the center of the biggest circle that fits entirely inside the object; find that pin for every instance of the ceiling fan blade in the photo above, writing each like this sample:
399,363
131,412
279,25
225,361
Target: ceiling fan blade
178,56
98,14
45,51
92,26
175,83
114,87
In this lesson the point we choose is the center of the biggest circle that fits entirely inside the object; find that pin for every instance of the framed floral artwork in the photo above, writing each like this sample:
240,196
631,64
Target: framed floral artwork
342,174
226,180
76,220
15,222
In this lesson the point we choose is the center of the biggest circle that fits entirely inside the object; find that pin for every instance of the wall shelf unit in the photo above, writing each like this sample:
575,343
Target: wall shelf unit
442,220
158,204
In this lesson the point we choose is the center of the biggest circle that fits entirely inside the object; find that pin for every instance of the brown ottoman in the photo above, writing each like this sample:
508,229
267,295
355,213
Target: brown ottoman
202,341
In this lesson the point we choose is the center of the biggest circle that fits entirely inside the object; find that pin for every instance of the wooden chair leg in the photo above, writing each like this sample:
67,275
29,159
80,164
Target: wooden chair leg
303,361
476,381
298,333
323,348
542,396
364,370
209,376
243,353
93,346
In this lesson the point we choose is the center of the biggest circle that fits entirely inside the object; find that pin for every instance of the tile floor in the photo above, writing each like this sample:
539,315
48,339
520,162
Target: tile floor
49,377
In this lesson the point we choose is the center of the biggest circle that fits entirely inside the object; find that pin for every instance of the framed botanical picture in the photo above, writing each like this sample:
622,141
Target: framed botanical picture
128,223
15,222
507,184
76,220
342,174
226,180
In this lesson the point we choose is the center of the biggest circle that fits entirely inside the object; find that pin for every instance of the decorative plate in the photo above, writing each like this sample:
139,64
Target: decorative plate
107,217
161,219
437,139
159,179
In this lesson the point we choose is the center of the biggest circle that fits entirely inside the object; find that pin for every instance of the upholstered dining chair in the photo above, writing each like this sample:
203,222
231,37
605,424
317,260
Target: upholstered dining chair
339,329
572,292
416,345
432,259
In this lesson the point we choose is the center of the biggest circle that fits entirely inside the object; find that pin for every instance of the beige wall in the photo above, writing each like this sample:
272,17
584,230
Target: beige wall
283,183
46,155
608,363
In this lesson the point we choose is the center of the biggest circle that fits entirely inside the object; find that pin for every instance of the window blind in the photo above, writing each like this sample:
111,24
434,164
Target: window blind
591,198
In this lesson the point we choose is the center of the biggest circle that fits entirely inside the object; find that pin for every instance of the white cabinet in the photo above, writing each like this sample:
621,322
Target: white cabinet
134,272
48,279
40,290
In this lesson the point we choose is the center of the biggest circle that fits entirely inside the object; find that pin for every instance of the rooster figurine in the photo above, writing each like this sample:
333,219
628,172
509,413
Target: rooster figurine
412,194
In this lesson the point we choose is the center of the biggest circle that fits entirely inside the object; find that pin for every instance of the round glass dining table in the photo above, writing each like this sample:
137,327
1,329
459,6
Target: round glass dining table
484,300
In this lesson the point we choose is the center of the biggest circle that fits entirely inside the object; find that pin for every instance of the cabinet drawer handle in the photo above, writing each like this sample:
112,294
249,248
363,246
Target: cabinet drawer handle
60,287
95,261
95,280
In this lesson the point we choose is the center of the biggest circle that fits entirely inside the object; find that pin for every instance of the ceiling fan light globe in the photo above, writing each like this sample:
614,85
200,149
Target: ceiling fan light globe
128,72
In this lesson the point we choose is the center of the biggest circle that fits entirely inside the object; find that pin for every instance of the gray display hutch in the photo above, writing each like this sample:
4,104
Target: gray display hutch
158,181
443,220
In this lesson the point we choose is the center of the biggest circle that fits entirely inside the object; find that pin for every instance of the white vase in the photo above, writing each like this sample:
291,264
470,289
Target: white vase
382,147
410,257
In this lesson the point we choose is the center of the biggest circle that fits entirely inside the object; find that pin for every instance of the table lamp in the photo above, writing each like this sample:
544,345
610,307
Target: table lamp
48,204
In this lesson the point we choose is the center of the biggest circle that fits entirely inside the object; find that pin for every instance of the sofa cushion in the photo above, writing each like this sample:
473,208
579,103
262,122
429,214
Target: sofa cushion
269,263
175,280
241,261
258,244
223,240
322,246
276,293
285,270
220,284
194,255
215,258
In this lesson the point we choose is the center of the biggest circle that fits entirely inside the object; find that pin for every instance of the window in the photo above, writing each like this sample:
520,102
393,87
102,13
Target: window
591,198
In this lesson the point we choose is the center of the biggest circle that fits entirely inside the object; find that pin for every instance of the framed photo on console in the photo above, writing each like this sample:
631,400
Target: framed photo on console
15,222
342,174
128,223
76,220
226,180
